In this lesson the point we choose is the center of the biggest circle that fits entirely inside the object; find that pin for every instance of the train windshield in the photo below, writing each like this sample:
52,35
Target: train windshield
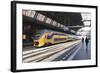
38,34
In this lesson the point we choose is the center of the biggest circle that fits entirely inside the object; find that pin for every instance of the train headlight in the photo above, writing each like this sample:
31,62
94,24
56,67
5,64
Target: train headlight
36,43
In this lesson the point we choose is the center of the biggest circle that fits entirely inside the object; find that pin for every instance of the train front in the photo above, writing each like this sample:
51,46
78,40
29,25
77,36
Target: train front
39,38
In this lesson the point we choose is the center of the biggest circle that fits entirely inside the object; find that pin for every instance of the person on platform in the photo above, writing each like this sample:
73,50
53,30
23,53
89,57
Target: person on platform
82,40
86,41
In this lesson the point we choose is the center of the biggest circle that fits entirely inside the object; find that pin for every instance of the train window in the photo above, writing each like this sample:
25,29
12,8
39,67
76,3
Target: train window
40,17
37,35
48,37
48,20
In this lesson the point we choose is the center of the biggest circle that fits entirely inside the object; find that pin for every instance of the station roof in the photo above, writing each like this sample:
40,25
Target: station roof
71,20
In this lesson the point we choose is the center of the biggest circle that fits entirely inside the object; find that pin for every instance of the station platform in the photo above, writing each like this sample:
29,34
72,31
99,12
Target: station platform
84,52
78,52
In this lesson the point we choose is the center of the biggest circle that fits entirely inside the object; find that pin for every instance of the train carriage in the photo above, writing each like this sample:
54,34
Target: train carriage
48,37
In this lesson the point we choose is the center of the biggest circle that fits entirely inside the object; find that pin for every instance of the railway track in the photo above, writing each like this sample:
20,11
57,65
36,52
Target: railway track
45,54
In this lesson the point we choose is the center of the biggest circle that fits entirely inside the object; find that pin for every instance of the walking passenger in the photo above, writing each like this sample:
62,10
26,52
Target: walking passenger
86,41
82,40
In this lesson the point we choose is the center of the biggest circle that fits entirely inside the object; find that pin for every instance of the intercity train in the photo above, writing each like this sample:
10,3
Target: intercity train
47,37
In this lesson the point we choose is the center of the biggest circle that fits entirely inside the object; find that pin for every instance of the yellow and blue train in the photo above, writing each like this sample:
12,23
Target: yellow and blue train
48,37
